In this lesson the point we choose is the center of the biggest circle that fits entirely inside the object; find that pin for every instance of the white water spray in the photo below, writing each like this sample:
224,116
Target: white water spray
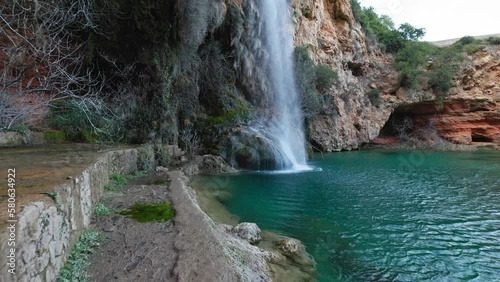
287,129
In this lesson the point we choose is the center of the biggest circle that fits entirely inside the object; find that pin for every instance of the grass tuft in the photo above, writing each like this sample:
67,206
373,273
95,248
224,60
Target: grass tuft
101,210
78,262
119,181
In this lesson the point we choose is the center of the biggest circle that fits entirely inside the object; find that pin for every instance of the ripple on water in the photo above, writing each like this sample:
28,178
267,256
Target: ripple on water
364,218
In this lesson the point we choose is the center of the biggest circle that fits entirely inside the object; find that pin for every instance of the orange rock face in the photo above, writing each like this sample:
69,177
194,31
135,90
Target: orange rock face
472,111
462,121
469,114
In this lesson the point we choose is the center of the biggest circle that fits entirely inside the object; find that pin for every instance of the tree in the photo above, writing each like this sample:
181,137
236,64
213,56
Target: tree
411,33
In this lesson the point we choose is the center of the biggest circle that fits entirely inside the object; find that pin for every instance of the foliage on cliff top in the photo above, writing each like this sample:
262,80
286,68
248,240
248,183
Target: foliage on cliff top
421,62
493,40
390,38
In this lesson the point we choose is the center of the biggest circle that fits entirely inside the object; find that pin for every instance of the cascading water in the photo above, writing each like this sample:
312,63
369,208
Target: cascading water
286,130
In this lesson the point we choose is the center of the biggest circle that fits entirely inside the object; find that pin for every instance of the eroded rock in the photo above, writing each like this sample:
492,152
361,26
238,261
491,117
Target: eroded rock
248,231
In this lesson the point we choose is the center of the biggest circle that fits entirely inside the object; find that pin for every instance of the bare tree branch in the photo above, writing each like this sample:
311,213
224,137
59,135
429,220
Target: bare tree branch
43,62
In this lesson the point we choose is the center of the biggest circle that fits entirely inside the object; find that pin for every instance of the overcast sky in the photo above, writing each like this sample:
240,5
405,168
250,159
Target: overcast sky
443,19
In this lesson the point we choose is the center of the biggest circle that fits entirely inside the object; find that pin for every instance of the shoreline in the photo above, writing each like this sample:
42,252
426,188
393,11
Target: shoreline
283,264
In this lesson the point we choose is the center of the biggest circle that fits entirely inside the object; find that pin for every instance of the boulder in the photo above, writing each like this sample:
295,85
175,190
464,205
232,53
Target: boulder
248,231
207,165
294,250
290,247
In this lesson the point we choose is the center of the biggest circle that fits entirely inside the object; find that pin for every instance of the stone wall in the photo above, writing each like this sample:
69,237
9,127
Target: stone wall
10,138
47,230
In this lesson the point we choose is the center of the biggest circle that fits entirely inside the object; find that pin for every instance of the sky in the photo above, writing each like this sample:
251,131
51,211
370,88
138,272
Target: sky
443,19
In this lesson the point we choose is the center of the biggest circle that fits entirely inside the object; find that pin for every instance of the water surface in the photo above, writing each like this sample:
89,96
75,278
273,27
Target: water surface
381,215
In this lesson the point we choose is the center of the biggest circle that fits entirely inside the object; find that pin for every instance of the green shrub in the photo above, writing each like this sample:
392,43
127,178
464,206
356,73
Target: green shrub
162,155
311,80
493,40
82,122
21,129
325,77
119,181
441,81
78,262
466,40
101,210
419,61
410,62
357,11
390,38
54,136
306,81
471,49
374,97
468,44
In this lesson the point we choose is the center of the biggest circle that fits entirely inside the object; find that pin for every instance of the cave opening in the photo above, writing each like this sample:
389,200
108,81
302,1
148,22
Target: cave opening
401,121
410,125
480,137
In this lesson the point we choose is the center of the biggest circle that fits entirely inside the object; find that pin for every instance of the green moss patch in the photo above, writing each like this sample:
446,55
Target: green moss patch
54,136
150,212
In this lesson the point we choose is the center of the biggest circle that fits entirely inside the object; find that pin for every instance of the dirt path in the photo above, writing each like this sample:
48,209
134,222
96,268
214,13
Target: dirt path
191,247
135,251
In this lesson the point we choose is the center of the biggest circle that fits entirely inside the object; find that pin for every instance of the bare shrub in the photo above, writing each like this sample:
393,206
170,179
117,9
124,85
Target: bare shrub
43,62
191,140
425,136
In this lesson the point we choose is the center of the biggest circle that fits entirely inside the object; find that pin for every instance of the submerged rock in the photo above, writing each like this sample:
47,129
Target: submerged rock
248,231
294,250
290,247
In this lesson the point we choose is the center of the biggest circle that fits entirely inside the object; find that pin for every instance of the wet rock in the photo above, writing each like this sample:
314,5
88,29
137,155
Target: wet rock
208,165
248,231
289,247
294,250
161,169
248,147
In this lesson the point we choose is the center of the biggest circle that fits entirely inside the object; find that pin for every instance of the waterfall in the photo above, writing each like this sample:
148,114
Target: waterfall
286,129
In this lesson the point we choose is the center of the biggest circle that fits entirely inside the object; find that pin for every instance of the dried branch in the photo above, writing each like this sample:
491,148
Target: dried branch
43,62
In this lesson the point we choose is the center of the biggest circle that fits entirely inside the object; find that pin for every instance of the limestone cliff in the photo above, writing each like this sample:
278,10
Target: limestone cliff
330,32
348,119
472,111
197,73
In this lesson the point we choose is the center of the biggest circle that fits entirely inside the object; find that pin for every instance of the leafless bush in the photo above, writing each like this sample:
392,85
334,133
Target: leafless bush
403,128
191,140
42,61
423,136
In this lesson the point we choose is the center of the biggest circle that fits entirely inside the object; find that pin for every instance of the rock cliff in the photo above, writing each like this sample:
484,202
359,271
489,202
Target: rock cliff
348,119
196,73
472,112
